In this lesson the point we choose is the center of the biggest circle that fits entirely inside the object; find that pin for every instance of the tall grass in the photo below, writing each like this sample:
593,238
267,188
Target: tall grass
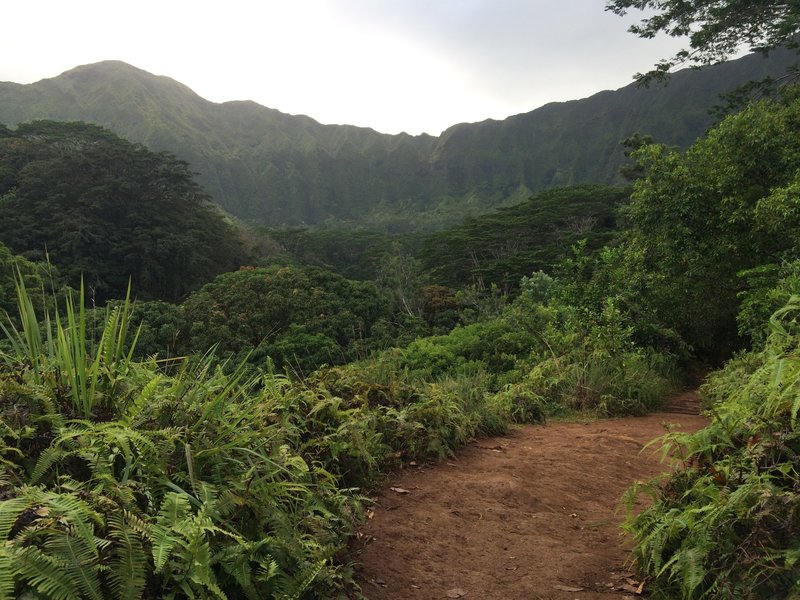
57,347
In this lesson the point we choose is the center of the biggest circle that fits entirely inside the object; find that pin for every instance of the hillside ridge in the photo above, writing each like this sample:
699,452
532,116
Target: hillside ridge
273,168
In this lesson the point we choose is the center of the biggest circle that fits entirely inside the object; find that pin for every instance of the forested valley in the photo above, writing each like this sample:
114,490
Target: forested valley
196,407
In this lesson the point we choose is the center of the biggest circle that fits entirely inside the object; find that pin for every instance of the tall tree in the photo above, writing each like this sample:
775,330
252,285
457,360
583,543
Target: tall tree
698,220
715,29
104,209
300,317
515,241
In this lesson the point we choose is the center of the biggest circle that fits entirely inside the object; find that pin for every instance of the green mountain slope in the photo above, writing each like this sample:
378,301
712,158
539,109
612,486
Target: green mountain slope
272,168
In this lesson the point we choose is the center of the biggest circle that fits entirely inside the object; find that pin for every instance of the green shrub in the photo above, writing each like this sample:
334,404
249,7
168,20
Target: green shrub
117,480
727,523
299,317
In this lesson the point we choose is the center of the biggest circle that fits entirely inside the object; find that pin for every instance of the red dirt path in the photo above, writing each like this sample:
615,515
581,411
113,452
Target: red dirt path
528,516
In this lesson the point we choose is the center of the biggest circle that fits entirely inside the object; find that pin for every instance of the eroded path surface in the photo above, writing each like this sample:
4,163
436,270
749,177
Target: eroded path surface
526,516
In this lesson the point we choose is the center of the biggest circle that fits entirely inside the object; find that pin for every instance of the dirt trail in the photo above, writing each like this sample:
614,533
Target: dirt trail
528,516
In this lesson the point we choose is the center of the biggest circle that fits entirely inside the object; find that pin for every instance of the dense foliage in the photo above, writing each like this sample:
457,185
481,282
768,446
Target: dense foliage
10,267
299,317
354,254
711,251
128,470
118,481
715,30
700,221
727,524
101,208
512,242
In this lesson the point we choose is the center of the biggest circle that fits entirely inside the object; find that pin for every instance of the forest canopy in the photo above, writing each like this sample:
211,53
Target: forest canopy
102,208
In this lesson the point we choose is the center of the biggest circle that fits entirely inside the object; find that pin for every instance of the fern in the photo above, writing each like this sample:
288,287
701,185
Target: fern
95,508
195,556
144,398
235,562
7,571
45,574
267,570
10,511
128,572
725,525
50,456
75,549
174,509
306,578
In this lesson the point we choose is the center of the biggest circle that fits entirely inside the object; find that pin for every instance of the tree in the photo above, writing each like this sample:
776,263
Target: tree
106,211
716,29
300,317
501,247
12,267
698,220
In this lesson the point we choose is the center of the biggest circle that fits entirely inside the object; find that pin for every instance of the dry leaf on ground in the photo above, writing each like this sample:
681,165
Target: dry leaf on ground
568,588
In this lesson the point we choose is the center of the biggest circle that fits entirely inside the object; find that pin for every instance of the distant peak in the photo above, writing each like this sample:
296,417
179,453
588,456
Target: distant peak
107,65
118,72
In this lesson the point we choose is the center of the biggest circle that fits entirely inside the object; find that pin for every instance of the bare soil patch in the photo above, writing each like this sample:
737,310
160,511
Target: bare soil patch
532,515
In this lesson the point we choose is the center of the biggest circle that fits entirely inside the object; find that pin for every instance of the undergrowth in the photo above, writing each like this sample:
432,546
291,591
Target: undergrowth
196,478
727,523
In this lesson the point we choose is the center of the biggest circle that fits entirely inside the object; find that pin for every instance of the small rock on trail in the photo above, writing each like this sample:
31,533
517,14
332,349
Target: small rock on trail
526,516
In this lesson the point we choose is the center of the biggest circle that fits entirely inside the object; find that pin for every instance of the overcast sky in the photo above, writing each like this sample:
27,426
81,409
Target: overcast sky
393,65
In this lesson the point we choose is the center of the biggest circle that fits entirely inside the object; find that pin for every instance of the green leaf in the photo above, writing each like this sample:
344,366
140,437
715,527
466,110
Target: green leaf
128,573
46,574
174,509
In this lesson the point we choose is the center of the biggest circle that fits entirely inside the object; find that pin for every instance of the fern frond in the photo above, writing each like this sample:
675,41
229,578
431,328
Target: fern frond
142,399
51,455
267,570
174,509
125,438
137,524
73,509
307,578
7,571
10,511
75,549
235,561
194,553
128,573
163,541
687,567
45,574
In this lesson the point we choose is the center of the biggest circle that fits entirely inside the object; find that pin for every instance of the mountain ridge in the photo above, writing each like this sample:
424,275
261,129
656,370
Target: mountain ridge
274,168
